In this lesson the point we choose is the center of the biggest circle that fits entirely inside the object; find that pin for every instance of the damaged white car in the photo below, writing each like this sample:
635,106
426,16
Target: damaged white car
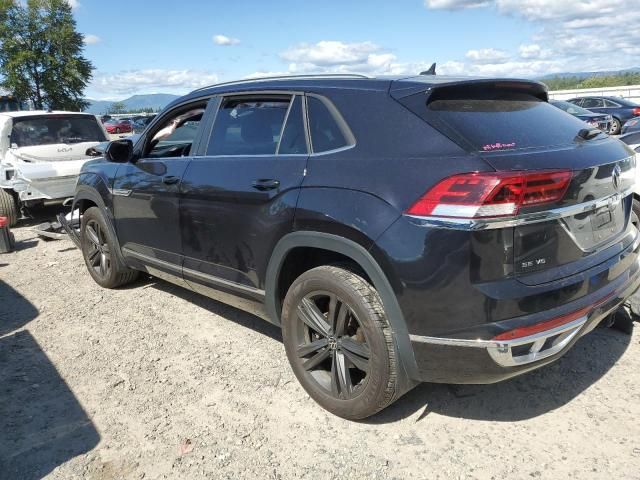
41,154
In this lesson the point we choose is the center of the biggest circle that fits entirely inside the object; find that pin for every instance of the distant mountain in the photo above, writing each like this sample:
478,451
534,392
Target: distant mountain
583,75
136,102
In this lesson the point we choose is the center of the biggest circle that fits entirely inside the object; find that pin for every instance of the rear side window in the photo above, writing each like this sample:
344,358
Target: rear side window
486,120
248,126
56,129
325,132
611,104
593,103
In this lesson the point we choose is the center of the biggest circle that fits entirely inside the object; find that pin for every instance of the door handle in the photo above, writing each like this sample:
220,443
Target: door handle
170,180
265,184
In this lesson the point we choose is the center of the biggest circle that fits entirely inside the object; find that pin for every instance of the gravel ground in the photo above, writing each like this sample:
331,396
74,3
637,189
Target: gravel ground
152,381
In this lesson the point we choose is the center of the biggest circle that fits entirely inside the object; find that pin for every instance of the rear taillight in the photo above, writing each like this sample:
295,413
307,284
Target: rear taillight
481,195
636,111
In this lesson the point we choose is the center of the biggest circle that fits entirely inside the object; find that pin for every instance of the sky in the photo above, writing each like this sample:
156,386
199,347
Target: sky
162,46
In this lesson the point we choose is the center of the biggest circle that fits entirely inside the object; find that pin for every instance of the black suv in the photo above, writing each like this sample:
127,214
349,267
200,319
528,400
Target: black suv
399,230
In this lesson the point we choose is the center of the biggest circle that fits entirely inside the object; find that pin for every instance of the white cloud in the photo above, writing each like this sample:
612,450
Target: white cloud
487,55
90,39
533,51
73,3
579,35
329,52
225,41
110,85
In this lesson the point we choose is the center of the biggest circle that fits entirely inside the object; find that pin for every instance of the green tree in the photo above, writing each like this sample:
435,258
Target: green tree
117,107
41,54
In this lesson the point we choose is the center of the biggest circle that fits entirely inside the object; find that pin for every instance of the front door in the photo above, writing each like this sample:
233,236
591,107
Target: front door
146,194
239,199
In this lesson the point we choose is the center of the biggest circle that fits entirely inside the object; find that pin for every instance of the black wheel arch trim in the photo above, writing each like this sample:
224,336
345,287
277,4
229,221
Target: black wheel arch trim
366,261
86,192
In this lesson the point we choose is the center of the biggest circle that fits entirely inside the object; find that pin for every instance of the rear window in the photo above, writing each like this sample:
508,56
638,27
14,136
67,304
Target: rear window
326,134
495,121
30,132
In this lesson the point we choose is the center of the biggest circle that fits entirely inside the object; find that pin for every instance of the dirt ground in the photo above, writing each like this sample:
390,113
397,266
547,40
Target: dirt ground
154,382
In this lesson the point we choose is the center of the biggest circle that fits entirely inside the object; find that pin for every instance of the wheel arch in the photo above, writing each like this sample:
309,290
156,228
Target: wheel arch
364,260
93,193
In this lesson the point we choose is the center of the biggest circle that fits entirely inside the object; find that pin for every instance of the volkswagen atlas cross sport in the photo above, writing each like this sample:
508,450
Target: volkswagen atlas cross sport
399,230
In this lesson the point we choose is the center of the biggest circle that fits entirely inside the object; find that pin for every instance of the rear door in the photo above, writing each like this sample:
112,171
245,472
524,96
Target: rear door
146,193
239,198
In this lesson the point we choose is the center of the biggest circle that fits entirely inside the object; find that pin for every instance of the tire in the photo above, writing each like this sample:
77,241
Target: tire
615,127
98,249
9,207
350,366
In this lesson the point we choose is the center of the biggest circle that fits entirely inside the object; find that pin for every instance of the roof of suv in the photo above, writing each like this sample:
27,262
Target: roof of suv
343,81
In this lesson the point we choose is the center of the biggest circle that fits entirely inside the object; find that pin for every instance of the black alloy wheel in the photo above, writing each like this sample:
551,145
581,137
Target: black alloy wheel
99,253
332,346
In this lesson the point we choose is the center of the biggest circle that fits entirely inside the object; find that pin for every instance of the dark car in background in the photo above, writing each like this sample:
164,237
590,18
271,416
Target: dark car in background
598,120
632,125
141,122
115,126
399,230
619,108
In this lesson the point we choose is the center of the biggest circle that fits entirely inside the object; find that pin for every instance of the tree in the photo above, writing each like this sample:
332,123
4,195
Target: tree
41,54
117,107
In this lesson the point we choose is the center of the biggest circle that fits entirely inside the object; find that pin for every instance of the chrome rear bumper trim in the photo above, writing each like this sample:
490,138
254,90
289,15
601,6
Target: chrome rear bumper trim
502,351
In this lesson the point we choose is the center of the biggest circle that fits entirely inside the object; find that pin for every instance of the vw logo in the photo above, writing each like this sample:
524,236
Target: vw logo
615,177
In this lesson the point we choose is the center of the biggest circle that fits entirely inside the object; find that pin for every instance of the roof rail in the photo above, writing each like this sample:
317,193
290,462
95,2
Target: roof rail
287,77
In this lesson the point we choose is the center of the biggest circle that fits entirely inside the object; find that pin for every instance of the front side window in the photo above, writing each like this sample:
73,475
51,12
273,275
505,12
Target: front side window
175,136
249,126
56,129
325,132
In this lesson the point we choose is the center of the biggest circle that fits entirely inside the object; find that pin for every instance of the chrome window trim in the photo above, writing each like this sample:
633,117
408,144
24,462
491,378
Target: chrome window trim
524,219
340,122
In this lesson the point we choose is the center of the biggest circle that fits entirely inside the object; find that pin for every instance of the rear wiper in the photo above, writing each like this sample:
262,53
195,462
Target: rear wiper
588,133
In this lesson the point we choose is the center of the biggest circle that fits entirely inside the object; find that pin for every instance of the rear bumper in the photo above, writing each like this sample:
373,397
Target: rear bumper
458,360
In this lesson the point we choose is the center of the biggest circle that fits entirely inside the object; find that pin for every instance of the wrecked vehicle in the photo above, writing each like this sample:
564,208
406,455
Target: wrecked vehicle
41,154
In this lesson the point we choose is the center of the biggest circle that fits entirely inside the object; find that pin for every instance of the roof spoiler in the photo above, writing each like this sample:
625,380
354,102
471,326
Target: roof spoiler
442,86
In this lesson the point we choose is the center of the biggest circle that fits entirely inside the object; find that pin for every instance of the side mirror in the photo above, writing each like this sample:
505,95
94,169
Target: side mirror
119,151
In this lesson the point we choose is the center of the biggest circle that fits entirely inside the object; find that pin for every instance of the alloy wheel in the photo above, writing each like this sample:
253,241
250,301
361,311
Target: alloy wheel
99,253
331,345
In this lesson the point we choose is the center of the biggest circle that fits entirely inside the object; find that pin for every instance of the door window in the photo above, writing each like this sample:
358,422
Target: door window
593,103
293,139
174,137
610,104
249,126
